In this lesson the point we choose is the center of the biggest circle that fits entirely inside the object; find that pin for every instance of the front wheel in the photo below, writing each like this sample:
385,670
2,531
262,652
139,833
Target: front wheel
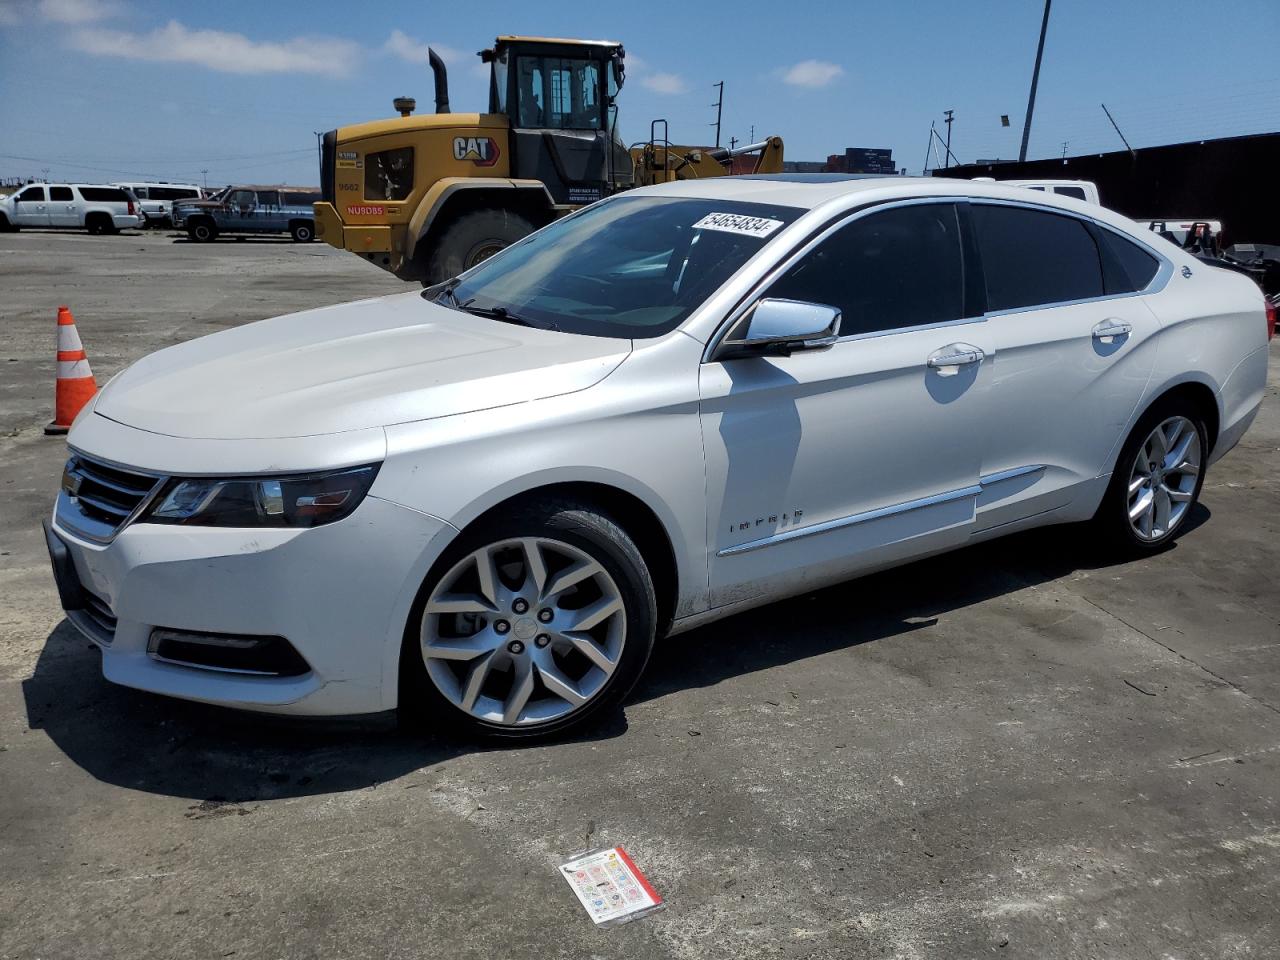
1157,479
473,238
302,231
202,232
533,624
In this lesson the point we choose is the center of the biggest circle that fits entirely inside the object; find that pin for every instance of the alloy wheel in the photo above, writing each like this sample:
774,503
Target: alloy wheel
523,631
1162,483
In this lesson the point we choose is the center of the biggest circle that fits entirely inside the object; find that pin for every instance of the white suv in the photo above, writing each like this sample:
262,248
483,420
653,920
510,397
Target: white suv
156,199
484,501
97,208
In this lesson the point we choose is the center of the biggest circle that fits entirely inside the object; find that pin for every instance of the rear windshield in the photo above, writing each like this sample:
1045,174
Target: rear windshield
632,267
104,194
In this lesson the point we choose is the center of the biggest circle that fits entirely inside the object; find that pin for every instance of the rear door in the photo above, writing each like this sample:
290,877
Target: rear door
1073,354
64,207
828,462
31,207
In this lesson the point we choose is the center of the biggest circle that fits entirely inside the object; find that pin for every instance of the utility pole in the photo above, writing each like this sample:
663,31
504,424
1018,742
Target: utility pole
733,143
205,175
753,134
1064,148
1117,126
928,149
1035,79
949,115
718,105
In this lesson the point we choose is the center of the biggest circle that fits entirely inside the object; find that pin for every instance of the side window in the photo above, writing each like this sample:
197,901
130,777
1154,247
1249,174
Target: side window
242,199
899,268
1031,257
60,193
1077,192
388,174
31,195
141,193
268,198
1128,267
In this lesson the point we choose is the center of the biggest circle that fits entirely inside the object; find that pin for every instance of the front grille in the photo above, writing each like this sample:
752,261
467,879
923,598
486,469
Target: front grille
99,611
96,499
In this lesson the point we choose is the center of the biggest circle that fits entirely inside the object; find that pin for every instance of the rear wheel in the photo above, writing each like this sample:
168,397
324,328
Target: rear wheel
531,625
1157,479
99,224
202,231
302,231
471,239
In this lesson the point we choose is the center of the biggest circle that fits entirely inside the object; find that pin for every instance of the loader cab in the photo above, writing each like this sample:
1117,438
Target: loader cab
558,96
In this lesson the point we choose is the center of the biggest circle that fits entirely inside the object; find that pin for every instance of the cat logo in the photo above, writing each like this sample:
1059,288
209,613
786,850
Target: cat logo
482,151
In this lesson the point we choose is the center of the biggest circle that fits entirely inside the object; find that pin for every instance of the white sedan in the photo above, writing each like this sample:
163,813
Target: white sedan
483,502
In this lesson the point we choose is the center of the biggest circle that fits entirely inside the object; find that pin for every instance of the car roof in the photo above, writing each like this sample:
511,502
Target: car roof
834,192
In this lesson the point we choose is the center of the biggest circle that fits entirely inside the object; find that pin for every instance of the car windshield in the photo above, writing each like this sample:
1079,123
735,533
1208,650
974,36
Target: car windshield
631,267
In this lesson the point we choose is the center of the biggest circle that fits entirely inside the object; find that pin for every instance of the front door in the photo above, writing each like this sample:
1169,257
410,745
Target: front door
31,207
1073,354
823,464
241,207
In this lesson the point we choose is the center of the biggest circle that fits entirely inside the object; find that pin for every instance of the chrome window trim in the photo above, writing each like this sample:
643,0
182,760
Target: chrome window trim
797,252
839,523
1164,271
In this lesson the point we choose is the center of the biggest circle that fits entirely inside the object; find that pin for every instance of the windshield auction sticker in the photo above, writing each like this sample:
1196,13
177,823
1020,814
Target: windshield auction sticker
738,223
610,887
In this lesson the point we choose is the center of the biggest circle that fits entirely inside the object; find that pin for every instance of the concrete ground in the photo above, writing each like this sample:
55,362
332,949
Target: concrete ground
1016,750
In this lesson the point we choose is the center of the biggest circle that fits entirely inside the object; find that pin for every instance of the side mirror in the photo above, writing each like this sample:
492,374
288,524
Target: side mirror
779,328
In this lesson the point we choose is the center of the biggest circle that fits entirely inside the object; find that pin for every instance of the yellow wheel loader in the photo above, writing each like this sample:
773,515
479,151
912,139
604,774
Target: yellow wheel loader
427,196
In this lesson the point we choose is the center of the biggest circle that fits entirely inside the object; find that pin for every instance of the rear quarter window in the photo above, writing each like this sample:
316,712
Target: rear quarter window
104,194
1129,268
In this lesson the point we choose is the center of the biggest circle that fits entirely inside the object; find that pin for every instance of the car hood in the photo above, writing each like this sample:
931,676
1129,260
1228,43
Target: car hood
372,363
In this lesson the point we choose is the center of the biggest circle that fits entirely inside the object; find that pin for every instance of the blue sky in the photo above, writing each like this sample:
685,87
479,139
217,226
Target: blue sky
129,89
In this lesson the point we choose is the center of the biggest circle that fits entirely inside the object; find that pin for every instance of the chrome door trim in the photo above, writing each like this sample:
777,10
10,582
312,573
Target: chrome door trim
841,522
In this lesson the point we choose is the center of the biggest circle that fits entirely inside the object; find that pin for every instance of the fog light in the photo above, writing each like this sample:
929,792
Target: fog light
227,653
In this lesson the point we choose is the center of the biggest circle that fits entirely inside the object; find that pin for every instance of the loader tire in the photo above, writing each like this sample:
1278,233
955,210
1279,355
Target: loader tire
473,237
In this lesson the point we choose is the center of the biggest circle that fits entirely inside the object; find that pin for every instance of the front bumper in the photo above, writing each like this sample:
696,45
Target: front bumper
339,593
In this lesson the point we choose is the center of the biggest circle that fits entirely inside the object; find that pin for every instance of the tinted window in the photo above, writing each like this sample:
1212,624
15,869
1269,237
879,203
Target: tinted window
1129,268
627,267
1077,192
388,174
60,193
171,193
104,194
1032,258
140,193
269,198
243,199
300,199
899,268
31,195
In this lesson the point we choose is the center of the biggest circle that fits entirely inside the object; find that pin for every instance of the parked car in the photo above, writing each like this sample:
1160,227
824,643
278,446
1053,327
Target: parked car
156,199
1076,189
482,502
84,206
249,209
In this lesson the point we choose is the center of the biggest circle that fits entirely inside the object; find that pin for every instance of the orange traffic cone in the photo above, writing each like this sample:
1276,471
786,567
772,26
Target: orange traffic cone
76,385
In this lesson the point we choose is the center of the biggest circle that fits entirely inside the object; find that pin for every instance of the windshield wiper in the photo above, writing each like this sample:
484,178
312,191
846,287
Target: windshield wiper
446,290
501,314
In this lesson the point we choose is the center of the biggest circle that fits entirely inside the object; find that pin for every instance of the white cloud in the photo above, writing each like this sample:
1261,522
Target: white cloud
664,83
220,50
812,73
77,11
412,50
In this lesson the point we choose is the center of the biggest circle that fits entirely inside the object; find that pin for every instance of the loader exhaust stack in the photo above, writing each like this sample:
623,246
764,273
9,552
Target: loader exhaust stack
442,81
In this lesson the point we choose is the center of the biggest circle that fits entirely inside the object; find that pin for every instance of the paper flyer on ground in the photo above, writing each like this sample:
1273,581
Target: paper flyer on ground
610,887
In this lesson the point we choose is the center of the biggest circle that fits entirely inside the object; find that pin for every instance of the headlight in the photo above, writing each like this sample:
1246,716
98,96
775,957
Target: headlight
306,501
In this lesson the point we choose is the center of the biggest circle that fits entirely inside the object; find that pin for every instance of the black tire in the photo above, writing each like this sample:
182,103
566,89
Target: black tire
6,226
96,224
202,231
302,231
1112,521
422,705
470,239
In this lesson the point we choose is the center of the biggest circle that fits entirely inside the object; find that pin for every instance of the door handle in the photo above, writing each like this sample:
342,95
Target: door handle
947,360
1109,329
